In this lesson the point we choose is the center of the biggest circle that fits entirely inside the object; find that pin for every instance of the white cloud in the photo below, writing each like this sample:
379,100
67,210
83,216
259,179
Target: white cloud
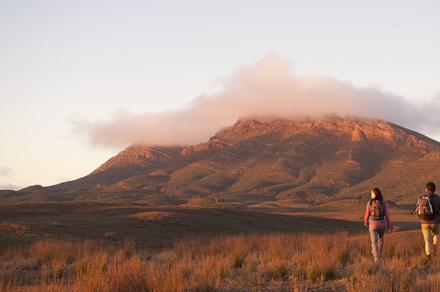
268,88
9,187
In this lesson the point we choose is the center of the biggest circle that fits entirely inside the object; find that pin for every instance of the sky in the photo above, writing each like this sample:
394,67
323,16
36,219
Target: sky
80,80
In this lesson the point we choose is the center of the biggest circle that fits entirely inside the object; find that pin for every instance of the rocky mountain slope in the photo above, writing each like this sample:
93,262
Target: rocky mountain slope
271,159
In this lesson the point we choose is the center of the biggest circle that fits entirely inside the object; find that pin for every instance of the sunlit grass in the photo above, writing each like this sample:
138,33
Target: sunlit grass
295,262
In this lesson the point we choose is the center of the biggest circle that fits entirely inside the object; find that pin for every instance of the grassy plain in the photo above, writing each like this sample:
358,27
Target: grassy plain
203,246
264,262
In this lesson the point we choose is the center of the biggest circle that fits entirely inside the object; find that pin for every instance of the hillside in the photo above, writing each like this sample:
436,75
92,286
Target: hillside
271,159
257,159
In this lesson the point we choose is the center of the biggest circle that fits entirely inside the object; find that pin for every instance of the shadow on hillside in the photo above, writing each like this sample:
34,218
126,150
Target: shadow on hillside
148,228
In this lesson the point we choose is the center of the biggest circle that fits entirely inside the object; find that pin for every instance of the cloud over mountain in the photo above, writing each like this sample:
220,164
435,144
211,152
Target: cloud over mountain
268,88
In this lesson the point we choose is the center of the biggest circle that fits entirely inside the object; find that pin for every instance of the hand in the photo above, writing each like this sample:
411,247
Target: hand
366,224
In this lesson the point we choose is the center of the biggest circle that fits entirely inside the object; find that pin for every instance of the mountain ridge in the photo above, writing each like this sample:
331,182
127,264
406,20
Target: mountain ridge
308,160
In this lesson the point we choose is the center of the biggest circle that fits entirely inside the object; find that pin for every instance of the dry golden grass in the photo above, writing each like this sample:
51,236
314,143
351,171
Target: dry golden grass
289,262
151,215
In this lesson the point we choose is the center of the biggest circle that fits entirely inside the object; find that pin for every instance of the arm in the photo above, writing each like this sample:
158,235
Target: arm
367,215
414,211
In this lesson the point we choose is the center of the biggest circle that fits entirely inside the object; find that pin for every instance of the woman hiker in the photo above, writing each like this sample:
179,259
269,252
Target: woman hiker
378,220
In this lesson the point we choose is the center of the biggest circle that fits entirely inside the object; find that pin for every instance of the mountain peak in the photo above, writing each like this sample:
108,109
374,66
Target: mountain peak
270,156
358,129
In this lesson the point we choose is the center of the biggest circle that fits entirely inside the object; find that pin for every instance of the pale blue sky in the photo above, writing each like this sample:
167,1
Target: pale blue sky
66,60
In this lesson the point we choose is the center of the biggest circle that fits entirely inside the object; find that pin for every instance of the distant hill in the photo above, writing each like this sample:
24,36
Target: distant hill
272,159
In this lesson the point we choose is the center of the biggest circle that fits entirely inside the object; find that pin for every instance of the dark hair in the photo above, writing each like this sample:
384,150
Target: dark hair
378,194
430,187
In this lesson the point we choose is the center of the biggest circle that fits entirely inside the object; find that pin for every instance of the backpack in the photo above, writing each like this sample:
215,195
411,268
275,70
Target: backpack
424,208
376,210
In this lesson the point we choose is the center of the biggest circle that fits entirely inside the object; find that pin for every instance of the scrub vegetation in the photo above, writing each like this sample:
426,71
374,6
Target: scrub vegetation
253,262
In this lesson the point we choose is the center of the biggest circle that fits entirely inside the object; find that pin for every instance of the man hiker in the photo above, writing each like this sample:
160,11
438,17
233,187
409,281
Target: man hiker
428,210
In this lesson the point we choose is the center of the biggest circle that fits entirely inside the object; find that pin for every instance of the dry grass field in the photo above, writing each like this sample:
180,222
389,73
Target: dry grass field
146,226
156,227
277,262
262,246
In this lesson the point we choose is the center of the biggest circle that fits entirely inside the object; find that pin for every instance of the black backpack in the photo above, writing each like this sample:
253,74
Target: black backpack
424,208
376,210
